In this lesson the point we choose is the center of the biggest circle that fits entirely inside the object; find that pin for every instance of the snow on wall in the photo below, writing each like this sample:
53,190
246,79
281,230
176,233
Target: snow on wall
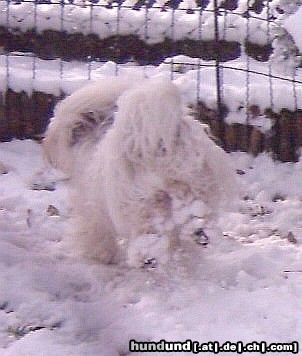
293,26
55,77
153,25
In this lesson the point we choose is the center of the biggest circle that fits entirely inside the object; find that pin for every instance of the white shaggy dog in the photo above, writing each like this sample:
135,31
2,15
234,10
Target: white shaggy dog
144,174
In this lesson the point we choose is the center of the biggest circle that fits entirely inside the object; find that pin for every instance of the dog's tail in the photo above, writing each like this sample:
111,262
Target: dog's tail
82,119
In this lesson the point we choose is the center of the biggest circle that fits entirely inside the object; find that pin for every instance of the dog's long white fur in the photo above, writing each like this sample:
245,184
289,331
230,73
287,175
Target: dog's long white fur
123,180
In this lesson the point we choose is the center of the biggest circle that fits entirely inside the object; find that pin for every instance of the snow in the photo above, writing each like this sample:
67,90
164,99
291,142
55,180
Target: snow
293,26
236,288
106,22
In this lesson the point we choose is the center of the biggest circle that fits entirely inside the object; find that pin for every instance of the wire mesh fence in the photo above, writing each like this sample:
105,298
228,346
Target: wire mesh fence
235,61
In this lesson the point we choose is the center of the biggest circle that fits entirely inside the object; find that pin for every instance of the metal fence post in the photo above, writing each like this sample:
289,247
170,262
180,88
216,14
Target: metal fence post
217,72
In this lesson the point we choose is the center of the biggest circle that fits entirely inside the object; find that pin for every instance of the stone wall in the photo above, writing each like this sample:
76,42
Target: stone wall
23,116
121,49
283,140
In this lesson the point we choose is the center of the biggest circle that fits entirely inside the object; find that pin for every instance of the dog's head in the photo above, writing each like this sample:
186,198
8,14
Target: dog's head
148,119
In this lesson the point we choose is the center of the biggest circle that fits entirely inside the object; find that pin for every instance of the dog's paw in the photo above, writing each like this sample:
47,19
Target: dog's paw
148,251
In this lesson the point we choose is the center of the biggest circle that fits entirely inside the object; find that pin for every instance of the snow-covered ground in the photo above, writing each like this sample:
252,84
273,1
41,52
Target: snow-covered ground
54,304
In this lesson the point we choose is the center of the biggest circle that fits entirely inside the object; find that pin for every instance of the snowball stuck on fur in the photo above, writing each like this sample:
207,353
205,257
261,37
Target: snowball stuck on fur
139,167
